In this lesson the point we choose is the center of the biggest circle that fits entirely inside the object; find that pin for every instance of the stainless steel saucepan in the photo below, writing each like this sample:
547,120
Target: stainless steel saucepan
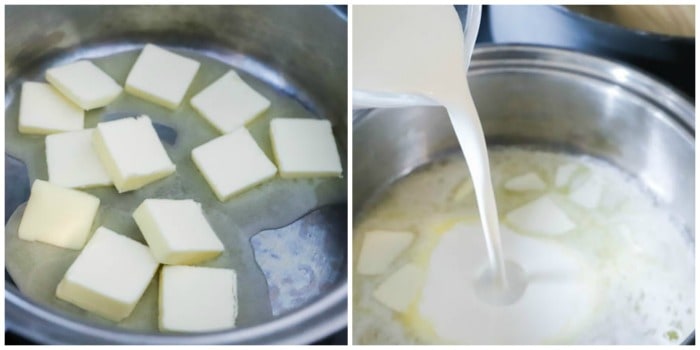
553,99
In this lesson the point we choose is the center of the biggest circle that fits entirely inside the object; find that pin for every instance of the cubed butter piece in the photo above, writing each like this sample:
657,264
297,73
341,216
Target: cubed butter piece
380,249
229,103
197,299
58,216
109,276
564,174
177,231
43,110
72,161
131,152
525,182
400,289
161,76
589,193
541,216
463,191
304,148
233,163
84,83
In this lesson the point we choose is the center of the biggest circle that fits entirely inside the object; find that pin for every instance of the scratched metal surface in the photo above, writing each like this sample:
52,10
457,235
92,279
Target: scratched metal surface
303,259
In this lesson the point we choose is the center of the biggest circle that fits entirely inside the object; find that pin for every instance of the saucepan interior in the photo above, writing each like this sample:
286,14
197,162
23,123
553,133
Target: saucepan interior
300,51
552,100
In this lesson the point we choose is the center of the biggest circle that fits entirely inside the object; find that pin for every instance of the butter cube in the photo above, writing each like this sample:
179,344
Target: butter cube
589,193
58,216
161,76
229,103
43,110
131,152
177,231
304,148
233,163
400,290
109,276
525,182
85,84
380,249
564,174
462,191
72,161
197,299
541,216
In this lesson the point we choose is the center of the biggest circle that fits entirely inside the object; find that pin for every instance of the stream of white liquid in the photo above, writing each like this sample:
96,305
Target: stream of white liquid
415,55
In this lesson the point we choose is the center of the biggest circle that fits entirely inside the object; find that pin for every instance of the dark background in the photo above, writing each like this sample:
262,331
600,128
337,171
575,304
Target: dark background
669,59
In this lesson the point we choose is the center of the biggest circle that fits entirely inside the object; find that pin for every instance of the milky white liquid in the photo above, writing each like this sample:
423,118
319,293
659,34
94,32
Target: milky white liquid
624,275
416,54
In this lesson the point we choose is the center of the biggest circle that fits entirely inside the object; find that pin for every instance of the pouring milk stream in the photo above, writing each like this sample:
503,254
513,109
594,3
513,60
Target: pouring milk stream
415,56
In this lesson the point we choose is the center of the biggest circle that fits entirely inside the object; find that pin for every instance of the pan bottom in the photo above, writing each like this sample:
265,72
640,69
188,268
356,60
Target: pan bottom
36,268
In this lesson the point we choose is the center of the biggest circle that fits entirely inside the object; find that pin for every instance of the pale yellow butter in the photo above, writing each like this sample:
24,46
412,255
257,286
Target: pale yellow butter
401,288
380,248
72,161
304,148
229,103
161,76
177,231
84,84
233,163
197,299
43,110
542,216
109,276
58,216
526,182
131,152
